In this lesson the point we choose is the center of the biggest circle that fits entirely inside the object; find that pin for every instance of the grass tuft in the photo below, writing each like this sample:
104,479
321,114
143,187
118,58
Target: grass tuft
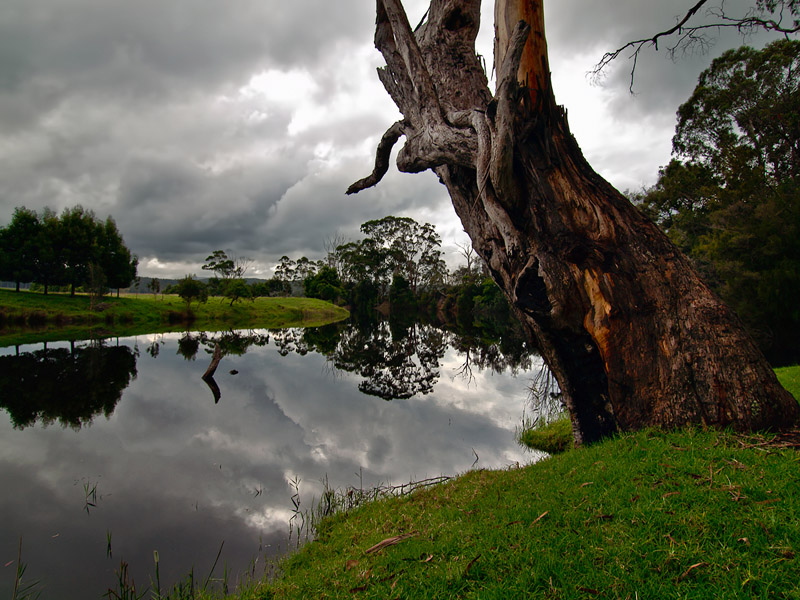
554,437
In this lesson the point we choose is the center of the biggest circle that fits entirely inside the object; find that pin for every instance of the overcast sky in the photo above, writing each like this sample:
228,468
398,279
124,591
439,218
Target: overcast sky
203,124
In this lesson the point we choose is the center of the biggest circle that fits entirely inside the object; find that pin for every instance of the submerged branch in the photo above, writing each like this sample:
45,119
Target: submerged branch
208,376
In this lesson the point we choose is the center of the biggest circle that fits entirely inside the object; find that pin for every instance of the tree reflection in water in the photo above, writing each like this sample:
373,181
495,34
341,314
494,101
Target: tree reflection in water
396,359
219,345
399,359
69,385
395,362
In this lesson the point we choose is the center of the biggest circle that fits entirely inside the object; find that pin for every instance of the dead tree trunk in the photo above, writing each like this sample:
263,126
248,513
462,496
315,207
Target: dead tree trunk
632,335
208,376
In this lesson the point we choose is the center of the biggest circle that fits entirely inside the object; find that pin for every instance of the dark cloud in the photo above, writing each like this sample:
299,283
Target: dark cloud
200,125
662,80
174,208
150,48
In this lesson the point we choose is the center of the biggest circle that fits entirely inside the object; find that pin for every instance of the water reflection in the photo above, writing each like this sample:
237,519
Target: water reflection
69,385
393,362
176,473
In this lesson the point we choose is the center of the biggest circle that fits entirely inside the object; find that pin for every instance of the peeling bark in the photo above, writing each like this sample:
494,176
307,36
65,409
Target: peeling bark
631,333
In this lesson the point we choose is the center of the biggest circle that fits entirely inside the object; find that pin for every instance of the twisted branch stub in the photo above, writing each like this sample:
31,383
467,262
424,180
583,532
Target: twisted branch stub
468,138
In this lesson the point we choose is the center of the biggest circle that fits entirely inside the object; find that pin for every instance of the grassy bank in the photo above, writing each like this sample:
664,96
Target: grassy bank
698,514
555,436
27,316
659,515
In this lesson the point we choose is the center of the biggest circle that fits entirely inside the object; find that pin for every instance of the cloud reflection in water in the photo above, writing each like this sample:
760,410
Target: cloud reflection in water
177,473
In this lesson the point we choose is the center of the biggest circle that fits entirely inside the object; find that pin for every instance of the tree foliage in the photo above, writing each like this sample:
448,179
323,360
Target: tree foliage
408,249
75,248
393,246
236,289
731,198
191,290
19,246
325,284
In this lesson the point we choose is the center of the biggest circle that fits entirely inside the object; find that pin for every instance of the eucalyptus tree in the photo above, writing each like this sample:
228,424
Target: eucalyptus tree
410,249
285,270
632,334
364,260
226,266
305,268
731,196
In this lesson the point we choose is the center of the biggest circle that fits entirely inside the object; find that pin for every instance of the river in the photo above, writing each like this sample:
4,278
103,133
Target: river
113,449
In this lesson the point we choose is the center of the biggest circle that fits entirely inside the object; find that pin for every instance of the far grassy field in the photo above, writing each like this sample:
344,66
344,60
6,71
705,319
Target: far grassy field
28,316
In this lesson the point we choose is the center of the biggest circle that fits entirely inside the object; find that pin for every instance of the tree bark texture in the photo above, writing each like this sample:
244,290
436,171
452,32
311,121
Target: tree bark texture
631,333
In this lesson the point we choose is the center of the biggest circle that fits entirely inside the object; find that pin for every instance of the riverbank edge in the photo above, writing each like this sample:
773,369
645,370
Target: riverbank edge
692,513
698,513
27,317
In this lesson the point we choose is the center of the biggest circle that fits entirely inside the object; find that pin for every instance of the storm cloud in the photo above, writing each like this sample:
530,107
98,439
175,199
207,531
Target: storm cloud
201,125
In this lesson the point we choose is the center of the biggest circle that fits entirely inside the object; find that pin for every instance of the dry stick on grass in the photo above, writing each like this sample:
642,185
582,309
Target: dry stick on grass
388,542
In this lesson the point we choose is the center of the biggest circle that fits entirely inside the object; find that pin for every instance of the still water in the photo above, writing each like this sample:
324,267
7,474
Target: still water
113,449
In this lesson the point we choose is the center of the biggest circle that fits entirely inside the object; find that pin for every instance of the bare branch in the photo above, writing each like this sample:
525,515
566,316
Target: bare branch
382,155
637,45
694,35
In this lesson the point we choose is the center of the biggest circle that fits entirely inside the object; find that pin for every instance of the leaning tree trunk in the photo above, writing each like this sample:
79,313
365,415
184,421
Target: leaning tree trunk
631,333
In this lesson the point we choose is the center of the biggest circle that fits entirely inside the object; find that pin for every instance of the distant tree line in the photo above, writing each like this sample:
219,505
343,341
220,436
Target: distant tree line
74,249
396,268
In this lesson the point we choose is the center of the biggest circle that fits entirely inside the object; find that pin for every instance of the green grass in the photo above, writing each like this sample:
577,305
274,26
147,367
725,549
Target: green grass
27,317
553,437
790,379
690,514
